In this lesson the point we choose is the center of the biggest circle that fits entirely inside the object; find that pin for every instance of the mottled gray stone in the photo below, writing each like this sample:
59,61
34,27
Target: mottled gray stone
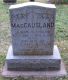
32,28
33,63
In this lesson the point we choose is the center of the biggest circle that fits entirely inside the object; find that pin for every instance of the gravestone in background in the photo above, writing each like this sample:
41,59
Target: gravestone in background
32,30
9,1
32,0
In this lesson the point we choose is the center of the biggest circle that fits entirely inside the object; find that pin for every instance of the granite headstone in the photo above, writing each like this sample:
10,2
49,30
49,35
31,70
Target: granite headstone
32,28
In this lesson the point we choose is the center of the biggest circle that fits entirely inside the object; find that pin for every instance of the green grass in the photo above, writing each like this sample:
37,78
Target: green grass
61,36
62,22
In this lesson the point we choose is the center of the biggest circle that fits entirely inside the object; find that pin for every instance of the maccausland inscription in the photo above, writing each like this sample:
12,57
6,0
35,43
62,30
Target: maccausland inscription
33,25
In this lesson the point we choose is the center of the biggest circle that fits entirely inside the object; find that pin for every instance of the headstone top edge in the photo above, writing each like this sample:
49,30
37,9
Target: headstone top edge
32,4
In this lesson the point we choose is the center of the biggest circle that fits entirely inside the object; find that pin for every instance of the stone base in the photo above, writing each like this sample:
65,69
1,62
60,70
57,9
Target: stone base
33,63
36,74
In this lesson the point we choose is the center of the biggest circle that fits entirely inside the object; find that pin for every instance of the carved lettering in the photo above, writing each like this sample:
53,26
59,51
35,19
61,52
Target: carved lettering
33,25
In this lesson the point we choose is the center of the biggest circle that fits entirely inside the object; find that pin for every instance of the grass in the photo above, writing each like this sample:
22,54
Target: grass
61,22
61,36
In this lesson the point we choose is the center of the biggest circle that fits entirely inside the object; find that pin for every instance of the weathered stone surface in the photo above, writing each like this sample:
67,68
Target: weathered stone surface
32,28
33,63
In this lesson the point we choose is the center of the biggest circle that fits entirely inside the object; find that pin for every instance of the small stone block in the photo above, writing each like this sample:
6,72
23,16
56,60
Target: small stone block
33,63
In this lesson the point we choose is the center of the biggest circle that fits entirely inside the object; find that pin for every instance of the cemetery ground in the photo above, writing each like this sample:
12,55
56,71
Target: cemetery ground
61,35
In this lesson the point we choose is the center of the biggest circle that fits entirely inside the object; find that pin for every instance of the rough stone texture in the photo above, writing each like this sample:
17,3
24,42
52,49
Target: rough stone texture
32,28
36,74
9,1
33,63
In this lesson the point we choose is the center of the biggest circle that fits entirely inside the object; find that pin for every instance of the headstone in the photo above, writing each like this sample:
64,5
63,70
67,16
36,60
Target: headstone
9,1
32,0
32,30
